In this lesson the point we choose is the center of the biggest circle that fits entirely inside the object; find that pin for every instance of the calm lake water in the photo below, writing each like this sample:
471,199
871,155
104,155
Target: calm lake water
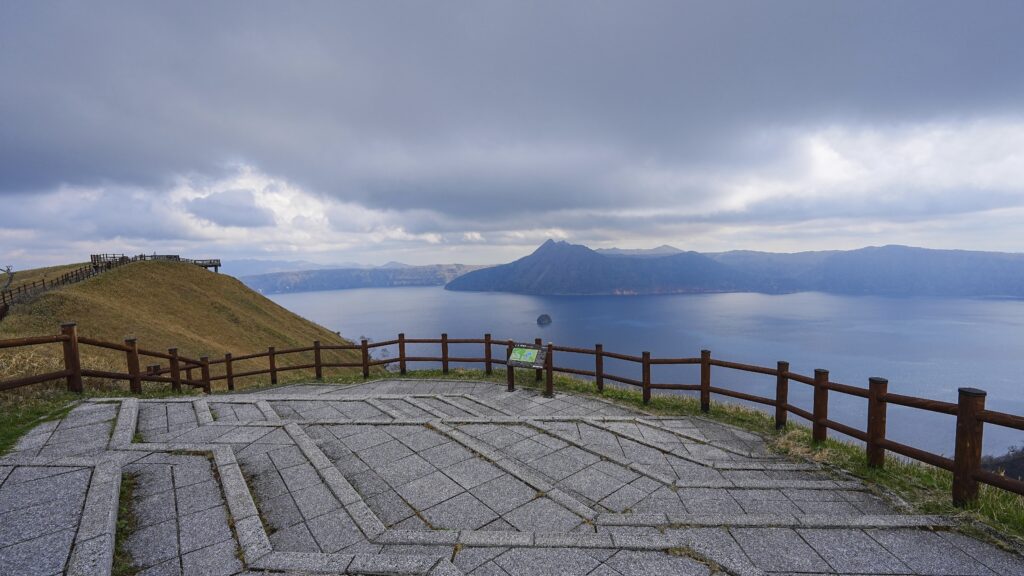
925,347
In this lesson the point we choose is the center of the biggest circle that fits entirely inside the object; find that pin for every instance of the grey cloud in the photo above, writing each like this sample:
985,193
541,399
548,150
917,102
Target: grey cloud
413,108
134,92
112,214
231,208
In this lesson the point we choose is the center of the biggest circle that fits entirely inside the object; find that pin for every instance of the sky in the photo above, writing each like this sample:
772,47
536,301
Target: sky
471,131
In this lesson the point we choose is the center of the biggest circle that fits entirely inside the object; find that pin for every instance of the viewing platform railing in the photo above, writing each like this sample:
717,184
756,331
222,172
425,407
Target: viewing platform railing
176,370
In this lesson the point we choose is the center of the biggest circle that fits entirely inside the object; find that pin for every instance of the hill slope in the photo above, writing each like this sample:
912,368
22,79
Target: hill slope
168,304
29,276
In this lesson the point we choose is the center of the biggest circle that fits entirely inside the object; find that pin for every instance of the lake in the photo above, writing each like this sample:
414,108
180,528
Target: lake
925,347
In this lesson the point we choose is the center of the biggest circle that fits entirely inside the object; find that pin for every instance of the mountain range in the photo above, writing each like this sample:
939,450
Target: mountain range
388,276
252,267
563,268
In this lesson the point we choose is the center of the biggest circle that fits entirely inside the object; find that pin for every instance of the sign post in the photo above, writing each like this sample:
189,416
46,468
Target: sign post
527,356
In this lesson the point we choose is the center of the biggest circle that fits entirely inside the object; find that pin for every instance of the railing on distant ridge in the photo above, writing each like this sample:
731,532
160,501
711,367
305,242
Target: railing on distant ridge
98,263
970,412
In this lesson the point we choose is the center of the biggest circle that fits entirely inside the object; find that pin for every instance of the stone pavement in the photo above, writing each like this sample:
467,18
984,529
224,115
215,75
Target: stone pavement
443,478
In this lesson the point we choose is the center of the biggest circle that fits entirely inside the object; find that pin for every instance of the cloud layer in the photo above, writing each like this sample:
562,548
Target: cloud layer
472,131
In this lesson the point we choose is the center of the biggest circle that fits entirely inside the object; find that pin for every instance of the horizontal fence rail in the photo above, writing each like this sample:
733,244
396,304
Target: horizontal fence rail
177,370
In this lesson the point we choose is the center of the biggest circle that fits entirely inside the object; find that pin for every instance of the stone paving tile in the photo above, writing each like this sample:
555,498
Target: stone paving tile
994,559
562,561
429,490
216,560
504,493
779,550
572,479
43,555
853,552
542,515
179,511
591,483
643,563
472,472
68,489
462,512
928,553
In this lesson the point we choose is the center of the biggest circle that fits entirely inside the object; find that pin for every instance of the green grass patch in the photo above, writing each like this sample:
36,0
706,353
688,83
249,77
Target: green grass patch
123,564
18,417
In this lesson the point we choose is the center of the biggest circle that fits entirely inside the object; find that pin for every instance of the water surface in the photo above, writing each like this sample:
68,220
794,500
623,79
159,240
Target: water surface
925,347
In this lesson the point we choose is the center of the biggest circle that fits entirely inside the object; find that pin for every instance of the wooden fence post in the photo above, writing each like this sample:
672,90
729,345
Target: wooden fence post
781,394
599,366
510,372
134,381
967,454
444,353
487,354
647,377
877,387
401,353
364,348
205,371
317,364
188,374
549,369
705,380
229,371
272,357
72,360
819,431
538,374
175,370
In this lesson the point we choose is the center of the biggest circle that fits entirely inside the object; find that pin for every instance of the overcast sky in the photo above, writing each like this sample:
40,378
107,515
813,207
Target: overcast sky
471,131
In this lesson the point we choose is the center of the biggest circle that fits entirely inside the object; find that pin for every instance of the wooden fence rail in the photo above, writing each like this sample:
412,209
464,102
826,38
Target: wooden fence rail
98,263
969,410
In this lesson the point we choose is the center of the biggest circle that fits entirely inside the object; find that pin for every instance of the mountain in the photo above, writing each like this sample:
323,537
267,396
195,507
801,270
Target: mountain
254,267
390,275
251,266
663,250
561,268
906,271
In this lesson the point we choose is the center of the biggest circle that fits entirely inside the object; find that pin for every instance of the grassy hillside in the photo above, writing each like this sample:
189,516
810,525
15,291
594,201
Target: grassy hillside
27,276
163,305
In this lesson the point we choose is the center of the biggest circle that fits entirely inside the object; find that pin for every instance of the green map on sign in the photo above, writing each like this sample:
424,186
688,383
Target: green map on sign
527,355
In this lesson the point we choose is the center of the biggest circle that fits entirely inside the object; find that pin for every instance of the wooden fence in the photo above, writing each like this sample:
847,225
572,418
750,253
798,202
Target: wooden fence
98,263
970,412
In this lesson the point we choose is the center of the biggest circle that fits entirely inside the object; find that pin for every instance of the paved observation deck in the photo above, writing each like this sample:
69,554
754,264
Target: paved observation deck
437,477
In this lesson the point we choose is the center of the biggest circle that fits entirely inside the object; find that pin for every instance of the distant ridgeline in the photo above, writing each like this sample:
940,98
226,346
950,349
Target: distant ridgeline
342,278
562,268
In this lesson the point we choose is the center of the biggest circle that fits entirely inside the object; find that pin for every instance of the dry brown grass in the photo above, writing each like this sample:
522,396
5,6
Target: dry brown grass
31,275
163,305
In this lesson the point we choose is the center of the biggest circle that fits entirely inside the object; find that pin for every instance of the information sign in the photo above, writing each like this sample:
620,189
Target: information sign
526,356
